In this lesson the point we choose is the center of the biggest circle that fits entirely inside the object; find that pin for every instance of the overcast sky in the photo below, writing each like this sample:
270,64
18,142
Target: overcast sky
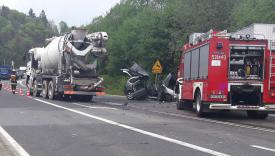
73,12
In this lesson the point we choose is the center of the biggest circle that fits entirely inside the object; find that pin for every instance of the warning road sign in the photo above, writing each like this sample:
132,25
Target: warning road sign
157,67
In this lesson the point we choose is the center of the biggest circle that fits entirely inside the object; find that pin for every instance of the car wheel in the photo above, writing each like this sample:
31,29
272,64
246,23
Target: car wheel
129,95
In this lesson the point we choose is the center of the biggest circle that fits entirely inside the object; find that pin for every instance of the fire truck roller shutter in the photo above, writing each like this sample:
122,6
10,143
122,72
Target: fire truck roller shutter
204,53
246,95
187,65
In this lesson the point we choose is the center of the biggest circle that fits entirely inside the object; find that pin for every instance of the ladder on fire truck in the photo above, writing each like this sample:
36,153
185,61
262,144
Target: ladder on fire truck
271,84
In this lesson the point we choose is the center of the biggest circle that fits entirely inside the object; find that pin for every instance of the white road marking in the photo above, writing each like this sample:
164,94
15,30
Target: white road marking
271,114
121,96
210,120
12,143
263,148
113,103
185,144
93,107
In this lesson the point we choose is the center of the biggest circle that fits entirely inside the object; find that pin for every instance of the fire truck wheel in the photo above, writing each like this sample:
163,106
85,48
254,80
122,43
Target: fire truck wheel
256,114
51,92
45,89
180,105
199,105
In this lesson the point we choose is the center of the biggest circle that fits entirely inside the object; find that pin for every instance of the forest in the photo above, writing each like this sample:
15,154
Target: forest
139,30
20,32
143,30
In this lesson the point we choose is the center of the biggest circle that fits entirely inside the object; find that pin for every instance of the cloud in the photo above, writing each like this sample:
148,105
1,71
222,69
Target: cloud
77,13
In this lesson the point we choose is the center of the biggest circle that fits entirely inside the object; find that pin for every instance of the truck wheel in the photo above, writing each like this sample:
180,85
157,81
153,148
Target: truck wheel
66,97
36,93
51,92
256,114
199,105
45,89
87,98
180,105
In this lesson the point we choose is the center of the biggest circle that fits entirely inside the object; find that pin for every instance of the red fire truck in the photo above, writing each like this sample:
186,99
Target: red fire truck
218,71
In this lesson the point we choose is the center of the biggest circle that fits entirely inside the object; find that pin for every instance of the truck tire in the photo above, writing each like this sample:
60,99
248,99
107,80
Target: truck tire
180,105
51,91
87,98
256,114
45,89
82,98
199,105
36,93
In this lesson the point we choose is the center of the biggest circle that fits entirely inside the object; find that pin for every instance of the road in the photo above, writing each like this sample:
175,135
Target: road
113,126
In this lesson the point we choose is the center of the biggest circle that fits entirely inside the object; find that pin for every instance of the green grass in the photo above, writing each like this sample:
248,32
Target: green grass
114,85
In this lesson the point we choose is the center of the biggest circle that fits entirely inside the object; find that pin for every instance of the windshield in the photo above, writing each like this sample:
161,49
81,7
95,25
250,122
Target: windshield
4,70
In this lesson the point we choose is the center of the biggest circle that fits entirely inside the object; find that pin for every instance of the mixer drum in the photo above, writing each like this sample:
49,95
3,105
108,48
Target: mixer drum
51,55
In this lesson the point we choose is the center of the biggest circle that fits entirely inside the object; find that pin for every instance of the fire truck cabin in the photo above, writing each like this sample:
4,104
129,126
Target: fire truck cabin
218,71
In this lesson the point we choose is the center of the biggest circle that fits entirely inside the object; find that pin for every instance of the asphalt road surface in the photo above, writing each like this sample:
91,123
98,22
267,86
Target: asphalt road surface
113,126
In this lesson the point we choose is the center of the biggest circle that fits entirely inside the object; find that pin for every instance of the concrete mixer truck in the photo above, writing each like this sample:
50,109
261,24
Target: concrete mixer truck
67,66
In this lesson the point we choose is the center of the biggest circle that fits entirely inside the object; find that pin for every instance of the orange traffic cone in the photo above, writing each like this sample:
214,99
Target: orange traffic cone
5,86
28,92
21,92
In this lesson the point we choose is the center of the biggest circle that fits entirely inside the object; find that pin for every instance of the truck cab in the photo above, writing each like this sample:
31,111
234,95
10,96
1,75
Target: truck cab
5,72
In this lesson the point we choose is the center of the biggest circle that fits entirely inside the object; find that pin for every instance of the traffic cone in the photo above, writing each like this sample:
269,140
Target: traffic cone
9,88
6,86
28,92
21,92
16,91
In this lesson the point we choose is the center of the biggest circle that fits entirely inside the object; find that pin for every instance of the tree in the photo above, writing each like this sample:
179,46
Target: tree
63,27
252,11
31,13
19,33
158,28
43,17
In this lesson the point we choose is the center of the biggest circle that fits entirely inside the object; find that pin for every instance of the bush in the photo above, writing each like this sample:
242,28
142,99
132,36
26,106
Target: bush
114,85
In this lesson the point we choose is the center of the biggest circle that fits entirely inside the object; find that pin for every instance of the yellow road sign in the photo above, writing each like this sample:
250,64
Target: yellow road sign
157,67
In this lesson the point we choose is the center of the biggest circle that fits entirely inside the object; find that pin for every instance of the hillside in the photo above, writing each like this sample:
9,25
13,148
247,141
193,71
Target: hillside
142,30
20,32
